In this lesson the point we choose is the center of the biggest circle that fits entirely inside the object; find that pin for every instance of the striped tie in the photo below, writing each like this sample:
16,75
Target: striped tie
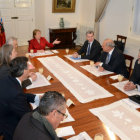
88,49
107,59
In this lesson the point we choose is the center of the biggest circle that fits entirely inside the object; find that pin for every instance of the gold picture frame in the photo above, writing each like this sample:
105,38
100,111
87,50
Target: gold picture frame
63,6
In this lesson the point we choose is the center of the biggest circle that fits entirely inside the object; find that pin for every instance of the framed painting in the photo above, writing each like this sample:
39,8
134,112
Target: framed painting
63,6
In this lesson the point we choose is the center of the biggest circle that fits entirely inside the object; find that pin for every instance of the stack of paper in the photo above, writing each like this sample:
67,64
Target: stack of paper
95,71
65,131
120,86
81,136
55,51
70,57
41,54
39,82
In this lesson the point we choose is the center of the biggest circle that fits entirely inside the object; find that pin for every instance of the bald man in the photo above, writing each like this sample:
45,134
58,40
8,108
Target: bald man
112,59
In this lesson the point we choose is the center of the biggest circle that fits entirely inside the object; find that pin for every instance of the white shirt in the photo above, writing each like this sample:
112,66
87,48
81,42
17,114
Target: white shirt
110,53
79,56
138,87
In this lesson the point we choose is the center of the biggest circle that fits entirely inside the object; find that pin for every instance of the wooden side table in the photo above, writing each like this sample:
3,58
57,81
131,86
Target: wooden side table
65,35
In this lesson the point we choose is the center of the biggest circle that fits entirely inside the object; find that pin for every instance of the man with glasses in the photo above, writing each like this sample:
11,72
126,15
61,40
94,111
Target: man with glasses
41,124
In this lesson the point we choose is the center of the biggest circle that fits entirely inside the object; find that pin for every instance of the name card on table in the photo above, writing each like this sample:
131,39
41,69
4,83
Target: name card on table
70,102
49,78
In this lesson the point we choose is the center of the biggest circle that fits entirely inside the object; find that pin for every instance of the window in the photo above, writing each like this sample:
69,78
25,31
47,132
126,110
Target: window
23,3
135,20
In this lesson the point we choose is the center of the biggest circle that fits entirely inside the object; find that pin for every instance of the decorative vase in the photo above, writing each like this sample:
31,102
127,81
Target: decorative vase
61,23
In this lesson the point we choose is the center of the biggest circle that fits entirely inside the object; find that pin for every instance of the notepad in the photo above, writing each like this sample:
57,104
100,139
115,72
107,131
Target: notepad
81,136
65,131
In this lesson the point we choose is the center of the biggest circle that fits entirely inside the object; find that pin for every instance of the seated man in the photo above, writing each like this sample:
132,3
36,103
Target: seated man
41,124
14,103
13,41
134,81
91,49
112,59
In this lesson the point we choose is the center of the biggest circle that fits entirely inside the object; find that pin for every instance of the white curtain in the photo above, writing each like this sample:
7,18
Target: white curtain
136,22
100,10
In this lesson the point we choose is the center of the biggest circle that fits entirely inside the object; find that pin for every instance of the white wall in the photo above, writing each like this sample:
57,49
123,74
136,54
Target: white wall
46,19
83,18
87,19
116,19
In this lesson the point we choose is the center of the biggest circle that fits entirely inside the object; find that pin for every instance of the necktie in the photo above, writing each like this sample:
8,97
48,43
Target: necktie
88,49
107,59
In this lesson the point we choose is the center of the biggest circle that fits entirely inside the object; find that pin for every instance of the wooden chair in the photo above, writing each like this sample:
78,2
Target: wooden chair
120,42
129,61
122,39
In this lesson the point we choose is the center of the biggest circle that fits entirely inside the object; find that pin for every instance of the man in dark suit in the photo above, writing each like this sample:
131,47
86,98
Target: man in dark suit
134,81
91,49
112,59
14,103
41,124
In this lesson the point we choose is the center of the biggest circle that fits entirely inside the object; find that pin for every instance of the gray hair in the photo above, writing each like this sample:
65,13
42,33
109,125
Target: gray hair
5,52
90,32
50,101
10,40
110,43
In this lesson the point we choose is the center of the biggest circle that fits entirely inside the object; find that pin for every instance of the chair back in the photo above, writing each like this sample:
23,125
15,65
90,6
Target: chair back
129,60
120,42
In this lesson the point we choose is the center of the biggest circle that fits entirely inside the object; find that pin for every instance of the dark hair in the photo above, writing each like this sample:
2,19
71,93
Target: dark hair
18,65
51,100
35,31
5,52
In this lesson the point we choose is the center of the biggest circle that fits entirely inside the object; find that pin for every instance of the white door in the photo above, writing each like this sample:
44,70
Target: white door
18,19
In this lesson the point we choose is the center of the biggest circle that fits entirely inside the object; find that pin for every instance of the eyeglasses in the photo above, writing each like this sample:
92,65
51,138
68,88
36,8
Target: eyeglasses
65,115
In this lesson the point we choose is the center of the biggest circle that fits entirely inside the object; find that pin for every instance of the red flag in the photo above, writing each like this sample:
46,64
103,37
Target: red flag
2,34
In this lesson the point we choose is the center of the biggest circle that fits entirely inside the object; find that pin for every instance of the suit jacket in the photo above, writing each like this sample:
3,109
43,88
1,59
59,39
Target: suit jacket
95,51
14,103
135,77
31,129
35,45
5,70
116,63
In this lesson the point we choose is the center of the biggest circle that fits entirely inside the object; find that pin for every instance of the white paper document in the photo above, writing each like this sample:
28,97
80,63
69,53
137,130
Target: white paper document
115,77
81,136
82,87
94,70
75,60
39,82
55,51
36,104
120,85
41,54
131,103
65,131
121,119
